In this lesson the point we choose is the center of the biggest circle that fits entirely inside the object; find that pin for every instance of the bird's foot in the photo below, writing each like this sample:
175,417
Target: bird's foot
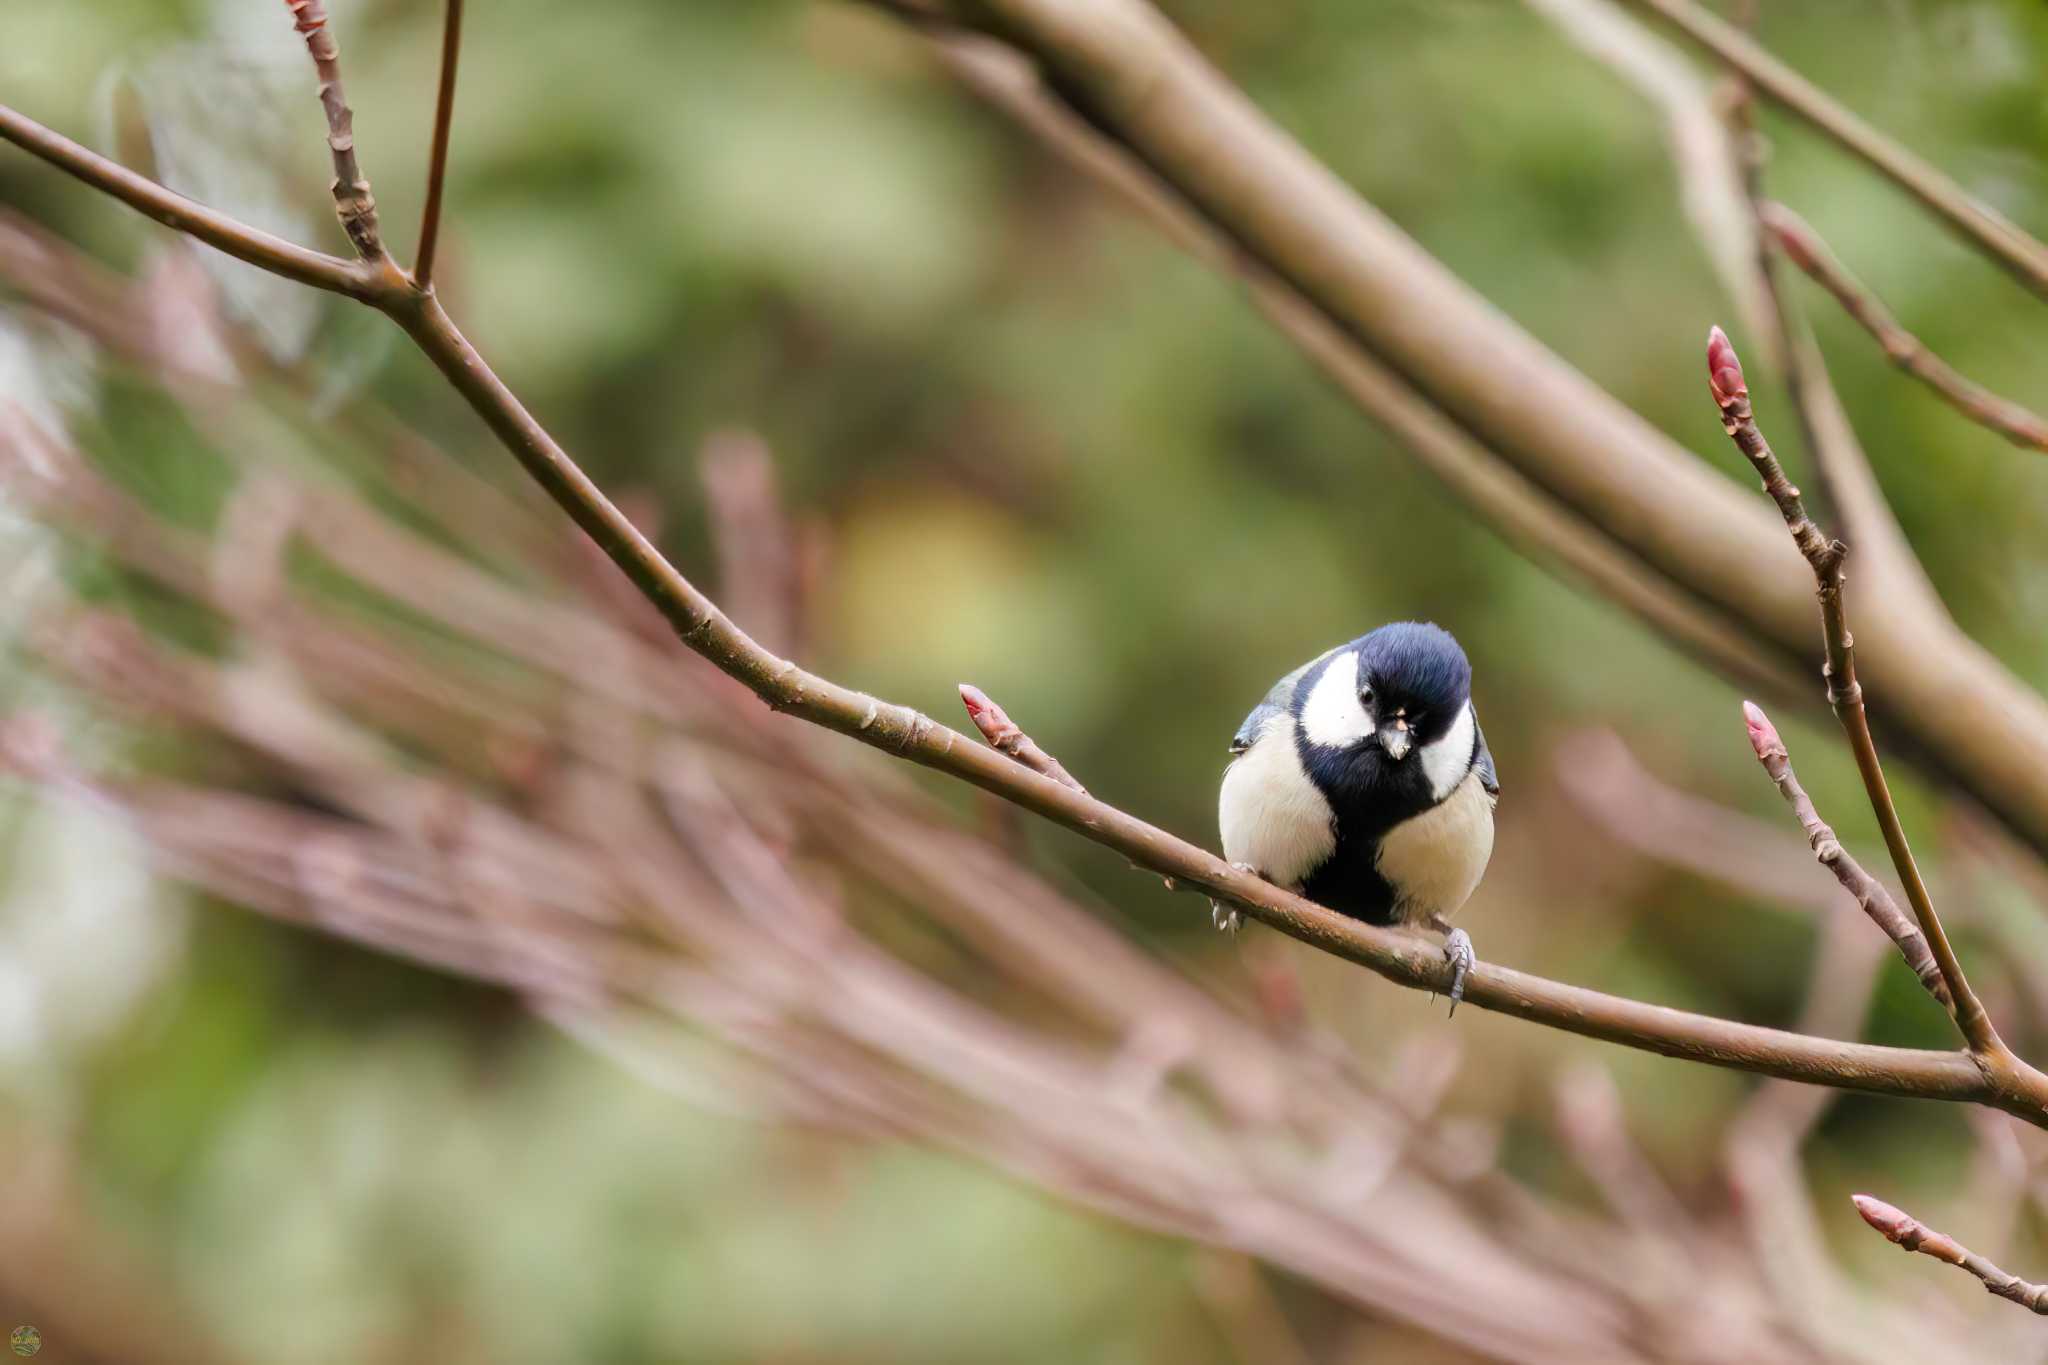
1458,952
1224,917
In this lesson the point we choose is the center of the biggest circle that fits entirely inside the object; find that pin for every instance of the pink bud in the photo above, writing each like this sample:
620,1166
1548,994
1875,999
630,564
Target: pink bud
1763,736
1724,371
1892,1222
975,700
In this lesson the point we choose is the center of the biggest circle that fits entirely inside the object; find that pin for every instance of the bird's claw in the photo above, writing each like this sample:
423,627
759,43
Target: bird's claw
1225,917
1458,951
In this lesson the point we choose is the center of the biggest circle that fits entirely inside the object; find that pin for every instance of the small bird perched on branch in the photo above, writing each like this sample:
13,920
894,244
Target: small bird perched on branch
1363,782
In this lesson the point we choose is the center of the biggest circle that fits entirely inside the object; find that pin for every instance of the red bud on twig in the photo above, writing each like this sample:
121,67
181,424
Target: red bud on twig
1724,370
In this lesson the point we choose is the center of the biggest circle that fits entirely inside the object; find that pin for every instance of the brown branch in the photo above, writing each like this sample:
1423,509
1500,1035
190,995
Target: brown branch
1003,733
1868,891
175,211
1825,556
437,169
1805,249
1902,1229
1997,236
353,203
1403,958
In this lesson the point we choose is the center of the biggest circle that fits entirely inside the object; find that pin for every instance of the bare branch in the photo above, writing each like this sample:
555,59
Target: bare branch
1997,236
1868,891
1901,1229
437,169
1805,249
174,210
352,201
1830,438
1003,733
1731,395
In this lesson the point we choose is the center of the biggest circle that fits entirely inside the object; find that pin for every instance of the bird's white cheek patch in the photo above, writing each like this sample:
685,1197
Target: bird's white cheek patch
1446,760
1332,715
1435,860
1272,816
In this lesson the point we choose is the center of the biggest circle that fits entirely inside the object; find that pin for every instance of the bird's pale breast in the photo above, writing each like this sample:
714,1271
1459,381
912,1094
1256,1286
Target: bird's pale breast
1272,816
1434,860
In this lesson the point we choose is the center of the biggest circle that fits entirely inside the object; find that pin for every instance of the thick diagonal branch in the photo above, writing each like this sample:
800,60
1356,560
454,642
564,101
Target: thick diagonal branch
1825,556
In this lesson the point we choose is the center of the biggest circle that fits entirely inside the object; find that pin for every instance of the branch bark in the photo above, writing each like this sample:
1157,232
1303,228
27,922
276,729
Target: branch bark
1903,1230
173,210
352,200
437,169
1868,892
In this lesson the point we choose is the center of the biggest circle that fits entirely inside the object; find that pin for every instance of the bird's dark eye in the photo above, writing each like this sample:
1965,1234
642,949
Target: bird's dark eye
1365,695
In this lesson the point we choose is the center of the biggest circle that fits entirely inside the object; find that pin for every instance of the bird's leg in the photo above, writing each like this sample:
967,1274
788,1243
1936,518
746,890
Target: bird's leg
1458,950
1224,917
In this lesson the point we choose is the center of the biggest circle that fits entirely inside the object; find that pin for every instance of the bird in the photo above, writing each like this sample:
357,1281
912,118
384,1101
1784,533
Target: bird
1363,782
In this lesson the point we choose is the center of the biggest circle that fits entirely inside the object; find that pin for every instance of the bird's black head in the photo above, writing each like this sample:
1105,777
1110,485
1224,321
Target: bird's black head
1398,688
1414,680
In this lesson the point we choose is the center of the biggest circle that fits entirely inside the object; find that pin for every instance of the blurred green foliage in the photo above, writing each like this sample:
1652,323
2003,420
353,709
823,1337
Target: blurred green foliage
1060,460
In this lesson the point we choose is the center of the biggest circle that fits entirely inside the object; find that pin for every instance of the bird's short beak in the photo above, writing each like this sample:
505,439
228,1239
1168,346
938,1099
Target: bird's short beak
1395,739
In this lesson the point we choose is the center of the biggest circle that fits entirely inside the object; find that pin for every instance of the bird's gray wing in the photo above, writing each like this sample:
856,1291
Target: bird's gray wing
1482,759
1276,699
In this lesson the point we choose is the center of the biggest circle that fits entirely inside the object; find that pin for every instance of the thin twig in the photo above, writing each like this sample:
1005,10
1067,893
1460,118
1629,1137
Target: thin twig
1902,1229
1731,395
1998,237
1838,457
1868,891
1805,249
353,203
174,210
1003,733
437,168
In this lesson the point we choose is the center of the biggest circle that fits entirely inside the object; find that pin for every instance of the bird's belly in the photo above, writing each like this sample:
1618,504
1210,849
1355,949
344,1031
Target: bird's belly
1272,816
1433,861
